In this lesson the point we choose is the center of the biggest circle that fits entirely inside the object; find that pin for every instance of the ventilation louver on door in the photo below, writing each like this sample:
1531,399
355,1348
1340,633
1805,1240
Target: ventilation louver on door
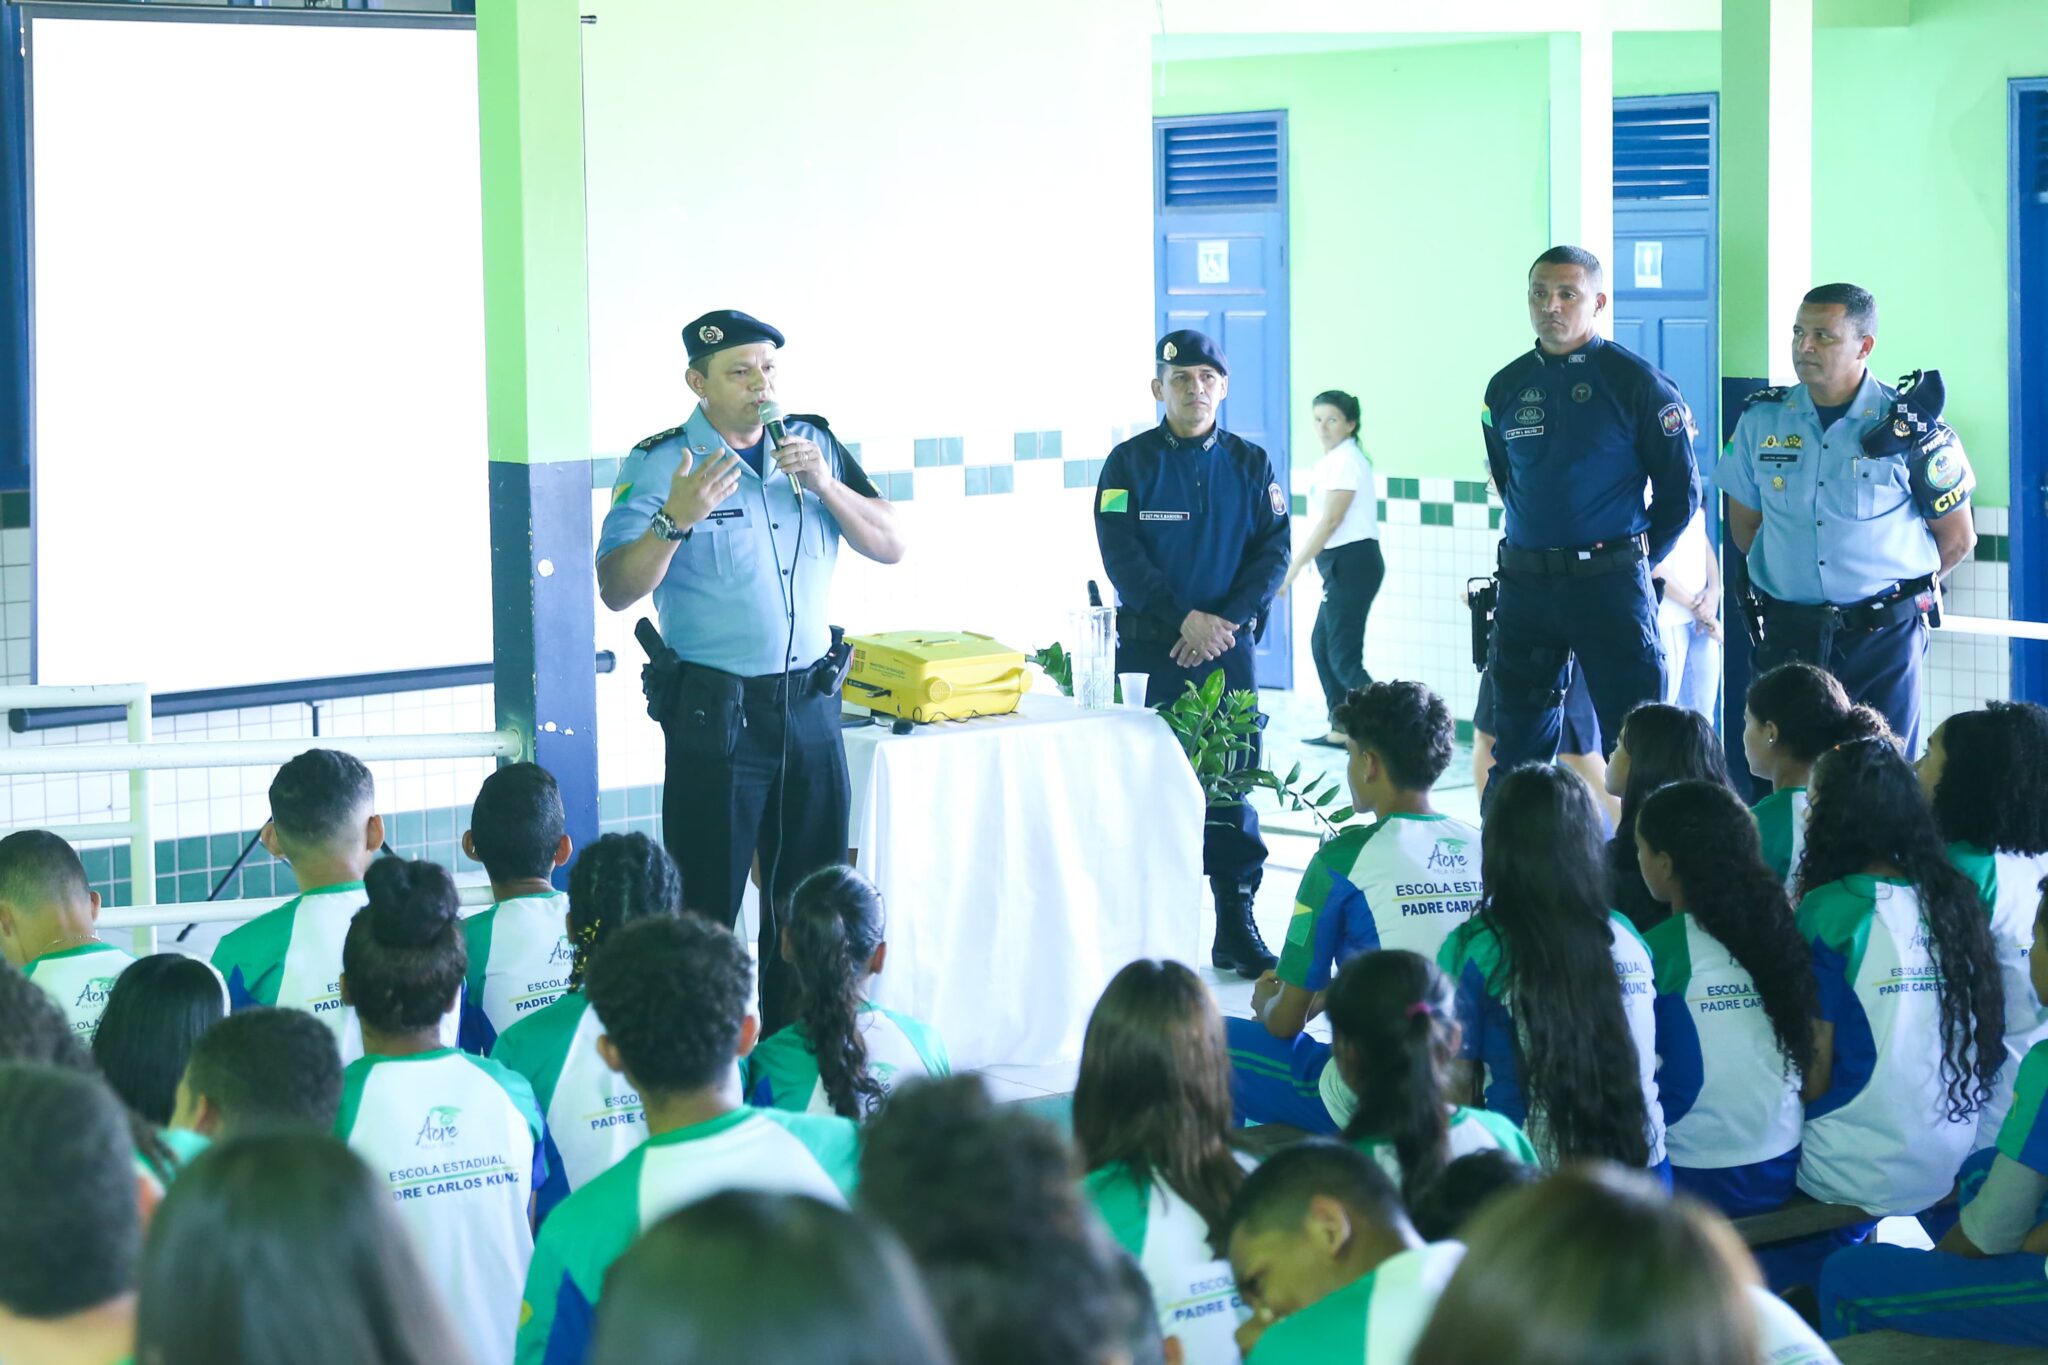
2033,134
1220,165
1665,152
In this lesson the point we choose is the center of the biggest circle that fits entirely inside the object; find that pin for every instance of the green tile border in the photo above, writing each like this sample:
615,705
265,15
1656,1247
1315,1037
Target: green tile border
1994,549
13,511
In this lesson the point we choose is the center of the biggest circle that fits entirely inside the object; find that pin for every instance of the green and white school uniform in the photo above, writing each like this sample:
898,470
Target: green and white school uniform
748,1149
1781,824
519,958
1193,1288
291,957
783,1071
1880,1138
457,1141
2009,884
593,1113
1471,1130
80,979
1374,1320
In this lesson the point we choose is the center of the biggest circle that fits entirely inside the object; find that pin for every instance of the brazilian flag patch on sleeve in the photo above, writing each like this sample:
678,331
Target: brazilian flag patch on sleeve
1115,500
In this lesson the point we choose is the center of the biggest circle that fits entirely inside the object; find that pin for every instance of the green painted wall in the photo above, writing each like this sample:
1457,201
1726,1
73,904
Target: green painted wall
1417,198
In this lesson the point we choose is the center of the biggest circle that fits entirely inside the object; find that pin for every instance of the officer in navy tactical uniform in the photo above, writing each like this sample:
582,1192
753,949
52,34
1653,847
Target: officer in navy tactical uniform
1575,430
707,517
1192,523
1851,500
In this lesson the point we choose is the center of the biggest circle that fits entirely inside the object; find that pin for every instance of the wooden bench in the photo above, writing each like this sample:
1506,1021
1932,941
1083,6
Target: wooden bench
1899,1348
1800,1218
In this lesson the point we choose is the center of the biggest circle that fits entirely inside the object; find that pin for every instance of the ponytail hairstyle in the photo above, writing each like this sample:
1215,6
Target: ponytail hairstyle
1395,1036
1812,712
404,955
1344,403
1546,901
1717,856
1866,809
1154,1088
620,878
1993,791
835,925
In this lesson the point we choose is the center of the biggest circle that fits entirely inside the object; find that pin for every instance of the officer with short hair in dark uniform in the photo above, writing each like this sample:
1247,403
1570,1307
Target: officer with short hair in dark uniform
1193,528
1575,430
708,518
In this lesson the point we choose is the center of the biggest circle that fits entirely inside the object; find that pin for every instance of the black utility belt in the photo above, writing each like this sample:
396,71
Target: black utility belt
1134,629
1607,556
1901,604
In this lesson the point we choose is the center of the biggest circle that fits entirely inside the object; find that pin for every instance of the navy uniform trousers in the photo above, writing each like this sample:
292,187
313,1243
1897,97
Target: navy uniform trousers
1879,668
1232,850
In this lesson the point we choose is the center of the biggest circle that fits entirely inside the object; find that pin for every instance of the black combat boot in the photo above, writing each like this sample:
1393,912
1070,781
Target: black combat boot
1238,947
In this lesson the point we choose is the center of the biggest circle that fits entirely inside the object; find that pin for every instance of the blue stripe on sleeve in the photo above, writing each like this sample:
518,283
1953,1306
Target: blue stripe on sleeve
1681,1070
569,1333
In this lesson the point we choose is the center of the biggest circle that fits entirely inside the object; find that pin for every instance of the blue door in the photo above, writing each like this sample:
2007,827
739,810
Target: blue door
1220,265
2027,520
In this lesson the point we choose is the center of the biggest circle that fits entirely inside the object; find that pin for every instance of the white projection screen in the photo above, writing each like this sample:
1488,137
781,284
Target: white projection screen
259,443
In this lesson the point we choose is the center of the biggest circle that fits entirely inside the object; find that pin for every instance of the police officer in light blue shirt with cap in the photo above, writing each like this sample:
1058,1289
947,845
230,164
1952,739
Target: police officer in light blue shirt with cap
1850,499
733,522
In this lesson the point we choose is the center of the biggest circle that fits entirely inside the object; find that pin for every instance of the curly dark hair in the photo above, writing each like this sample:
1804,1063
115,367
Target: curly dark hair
835,925
1998,759
1811,710
618,879
1546,900
672,992
405,955
1392,1022
1866,810
318,798
1665,744
1406,724
67,1193
1732,893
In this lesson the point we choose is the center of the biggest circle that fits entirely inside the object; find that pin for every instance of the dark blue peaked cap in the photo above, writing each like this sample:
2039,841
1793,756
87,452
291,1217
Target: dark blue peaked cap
1190,348
725,328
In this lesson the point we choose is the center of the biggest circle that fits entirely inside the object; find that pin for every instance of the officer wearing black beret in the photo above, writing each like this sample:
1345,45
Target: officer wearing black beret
735,536
1192,523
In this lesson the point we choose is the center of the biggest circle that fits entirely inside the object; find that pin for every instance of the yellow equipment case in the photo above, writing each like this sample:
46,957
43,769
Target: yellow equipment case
922,676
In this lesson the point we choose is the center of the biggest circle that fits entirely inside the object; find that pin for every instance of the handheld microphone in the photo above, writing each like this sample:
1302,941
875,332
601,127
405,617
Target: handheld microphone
770,414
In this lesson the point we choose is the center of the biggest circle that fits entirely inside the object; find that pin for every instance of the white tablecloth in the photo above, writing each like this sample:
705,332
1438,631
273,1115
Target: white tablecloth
1024,860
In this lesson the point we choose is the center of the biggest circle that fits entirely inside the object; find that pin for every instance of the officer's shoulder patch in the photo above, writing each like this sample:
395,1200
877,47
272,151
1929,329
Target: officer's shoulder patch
657,438
1114,500
1775,394
1277,498
1940,473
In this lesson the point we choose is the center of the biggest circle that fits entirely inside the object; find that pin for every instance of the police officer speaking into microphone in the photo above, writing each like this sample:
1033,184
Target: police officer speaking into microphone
733,521
1850,499
1193,529
1576,429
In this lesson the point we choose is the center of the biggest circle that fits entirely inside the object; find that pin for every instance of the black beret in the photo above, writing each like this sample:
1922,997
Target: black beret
1188,348
1912,418
724,329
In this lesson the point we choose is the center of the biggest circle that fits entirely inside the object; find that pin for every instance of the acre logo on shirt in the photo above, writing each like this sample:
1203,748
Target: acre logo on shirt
1449,856
438,1129
95,992
562,954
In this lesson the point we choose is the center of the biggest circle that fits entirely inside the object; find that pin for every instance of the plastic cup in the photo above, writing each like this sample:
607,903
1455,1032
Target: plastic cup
1134,685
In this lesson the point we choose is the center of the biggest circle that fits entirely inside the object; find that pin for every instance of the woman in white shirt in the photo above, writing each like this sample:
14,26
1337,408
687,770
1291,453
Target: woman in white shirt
1689,619
1344,542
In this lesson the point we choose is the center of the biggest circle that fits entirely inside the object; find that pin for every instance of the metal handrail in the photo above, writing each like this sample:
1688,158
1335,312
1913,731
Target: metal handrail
232,912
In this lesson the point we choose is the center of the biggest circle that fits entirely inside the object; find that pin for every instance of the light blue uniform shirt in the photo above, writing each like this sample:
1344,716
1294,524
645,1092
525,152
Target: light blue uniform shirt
726,599
1839,526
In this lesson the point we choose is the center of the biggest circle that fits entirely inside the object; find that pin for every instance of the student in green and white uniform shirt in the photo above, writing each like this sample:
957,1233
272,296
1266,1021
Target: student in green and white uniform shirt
1985,774
1912,1014
261,1068
47,914
324,826
455,1139
1328,1262
673,993
594,1116
519,949
1155,1045
1395,1038
844,1053
1405,882
1792,715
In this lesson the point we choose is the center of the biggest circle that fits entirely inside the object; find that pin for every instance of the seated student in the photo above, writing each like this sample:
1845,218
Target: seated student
519,948
70,1220
283,1248
1735,1000
261,1068
1328,1261
1145,1341
769,1279
984,1199
1444,1206
456,1138
1793,715
1405,881
1394,1028
47,912
1985,773
324,825
844,1054
1659,745
1595,1263
158,1008
1554,991
1152,1120
1987,1279
1911,1025
593,1113
673,994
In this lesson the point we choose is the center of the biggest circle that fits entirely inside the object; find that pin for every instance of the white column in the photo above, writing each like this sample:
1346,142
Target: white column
1582,148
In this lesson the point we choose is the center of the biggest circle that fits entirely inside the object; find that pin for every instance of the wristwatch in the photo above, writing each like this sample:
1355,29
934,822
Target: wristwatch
665,525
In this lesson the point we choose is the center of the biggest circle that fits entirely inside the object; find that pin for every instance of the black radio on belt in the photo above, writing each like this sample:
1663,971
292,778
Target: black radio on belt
1481,595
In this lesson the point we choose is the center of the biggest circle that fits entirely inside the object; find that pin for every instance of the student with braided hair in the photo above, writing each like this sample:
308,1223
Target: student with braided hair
844,1053
593,1113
